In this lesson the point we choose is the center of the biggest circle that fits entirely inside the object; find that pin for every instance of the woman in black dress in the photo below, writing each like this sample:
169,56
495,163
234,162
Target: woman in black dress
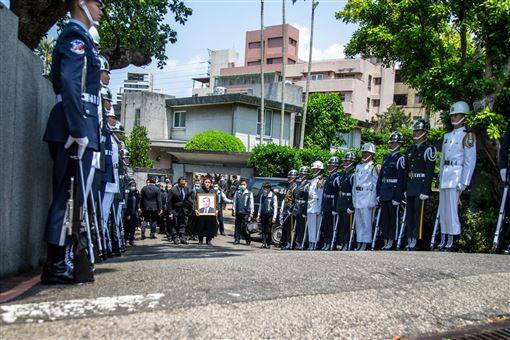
206,224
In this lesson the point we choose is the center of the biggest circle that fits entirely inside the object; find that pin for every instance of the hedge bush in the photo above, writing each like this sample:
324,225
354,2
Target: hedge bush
213,140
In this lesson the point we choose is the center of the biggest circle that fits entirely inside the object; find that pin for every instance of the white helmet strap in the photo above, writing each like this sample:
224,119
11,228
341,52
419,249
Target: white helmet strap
459,122
395,148
364,160
84,7
420,136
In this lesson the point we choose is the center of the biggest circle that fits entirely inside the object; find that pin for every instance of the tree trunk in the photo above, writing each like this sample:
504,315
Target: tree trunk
307,90
262,123
284,62
36,17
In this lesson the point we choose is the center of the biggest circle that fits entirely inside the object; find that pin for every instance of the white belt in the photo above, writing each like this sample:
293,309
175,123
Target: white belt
329,196
86,97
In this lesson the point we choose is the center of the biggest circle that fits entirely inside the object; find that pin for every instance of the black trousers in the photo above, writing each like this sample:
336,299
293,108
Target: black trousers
130,224
179,226
219,220
388,222
415,216
151,218
207,227
266,224
328,225
345,221
300,229
286,229
241,227
163,222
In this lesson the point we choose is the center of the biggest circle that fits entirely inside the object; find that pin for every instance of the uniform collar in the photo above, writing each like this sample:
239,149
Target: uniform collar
82,26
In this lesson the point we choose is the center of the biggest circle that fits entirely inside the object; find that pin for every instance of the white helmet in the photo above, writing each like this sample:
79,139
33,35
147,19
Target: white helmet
459,107
368,147
94,34
317,165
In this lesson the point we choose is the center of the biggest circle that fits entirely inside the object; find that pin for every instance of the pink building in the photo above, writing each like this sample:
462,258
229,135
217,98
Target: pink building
273,41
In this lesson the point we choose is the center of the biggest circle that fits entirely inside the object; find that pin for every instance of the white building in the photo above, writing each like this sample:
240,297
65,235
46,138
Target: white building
137,82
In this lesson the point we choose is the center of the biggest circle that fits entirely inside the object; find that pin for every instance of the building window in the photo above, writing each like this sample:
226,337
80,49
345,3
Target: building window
377,81
179,119
254,44
254,63
368,104
274,60
398,77
291,61
376,102
319,76
268,122
400,99
292,42
417,99
369,82
274,42
342,96
137,117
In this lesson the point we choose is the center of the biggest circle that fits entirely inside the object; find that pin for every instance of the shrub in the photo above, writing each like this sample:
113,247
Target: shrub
213,140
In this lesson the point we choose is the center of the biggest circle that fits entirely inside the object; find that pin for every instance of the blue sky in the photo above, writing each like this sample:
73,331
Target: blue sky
221,24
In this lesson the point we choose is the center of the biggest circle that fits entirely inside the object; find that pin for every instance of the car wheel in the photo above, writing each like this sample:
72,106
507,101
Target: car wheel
276,234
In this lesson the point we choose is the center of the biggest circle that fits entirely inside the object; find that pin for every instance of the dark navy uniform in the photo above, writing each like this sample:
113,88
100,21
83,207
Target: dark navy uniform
330,194
286,215
75,74
300,209
243,206
421,160
343,204
268,210
390,191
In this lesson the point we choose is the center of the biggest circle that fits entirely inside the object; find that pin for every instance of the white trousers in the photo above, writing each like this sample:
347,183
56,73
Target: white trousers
106,205
364,218
314,221
448,211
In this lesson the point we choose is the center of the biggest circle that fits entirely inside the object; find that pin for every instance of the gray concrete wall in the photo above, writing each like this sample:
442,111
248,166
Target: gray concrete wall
26,99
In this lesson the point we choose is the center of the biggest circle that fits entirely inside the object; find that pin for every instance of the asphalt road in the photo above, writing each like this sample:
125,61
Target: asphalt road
159,290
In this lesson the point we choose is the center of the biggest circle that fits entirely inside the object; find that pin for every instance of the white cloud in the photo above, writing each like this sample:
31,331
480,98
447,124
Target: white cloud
333,51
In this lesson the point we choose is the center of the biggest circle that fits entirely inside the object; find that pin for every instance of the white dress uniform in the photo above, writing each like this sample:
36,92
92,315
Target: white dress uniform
364,198
314,208
111,187
458,162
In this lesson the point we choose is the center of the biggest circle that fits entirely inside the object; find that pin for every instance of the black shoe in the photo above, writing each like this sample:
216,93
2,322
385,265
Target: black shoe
248,243
507,251
177,241
236,242
222,234
263,245
184,242
131,243
268,246
200,243
143,237
208,243
56,273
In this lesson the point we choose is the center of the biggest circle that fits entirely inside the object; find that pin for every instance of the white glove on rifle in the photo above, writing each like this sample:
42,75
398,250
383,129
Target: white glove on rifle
334,213
377,199
395,202
349,211
424,197
502,172
82,144
461,187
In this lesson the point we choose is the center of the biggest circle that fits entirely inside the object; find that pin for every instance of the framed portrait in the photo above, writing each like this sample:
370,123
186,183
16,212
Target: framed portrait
206,204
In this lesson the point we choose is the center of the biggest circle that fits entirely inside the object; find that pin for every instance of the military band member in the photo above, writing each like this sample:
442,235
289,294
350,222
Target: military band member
314,213
364,195
243,212
329,197
421,160
287,218
390,189
268,210
343,204
458,162
301,206
75,74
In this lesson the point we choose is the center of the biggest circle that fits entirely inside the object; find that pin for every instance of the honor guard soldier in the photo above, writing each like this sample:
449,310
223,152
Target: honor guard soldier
329,214
390,189
421,161
243,212
343,204
314,213
364,196
268,209
458,162
119,197
504,158
75,73
287,218
301,207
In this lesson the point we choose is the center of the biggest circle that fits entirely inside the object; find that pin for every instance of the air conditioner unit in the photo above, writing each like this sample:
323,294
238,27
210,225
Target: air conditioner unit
219,90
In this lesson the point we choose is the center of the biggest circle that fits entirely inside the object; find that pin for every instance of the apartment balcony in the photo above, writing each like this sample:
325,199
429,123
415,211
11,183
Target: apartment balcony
330,85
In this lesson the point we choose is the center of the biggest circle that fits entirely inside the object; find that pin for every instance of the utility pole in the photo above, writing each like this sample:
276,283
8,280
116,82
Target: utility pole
284,62
303,121
262,122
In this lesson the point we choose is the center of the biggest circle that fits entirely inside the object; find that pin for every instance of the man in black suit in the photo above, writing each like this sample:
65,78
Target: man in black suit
179,203
151,206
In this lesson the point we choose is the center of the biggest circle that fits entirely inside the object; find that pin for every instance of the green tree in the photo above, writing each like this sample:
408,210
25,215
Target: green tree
139,146
132,31
325,121
393,119
213,140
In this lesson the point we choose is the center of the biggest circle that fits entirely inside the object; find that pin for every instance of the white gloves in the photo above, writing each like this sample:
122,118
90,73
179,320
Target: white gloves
349,211
395,202
377,199
502,172
82,144
461,187
334,213
424,197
